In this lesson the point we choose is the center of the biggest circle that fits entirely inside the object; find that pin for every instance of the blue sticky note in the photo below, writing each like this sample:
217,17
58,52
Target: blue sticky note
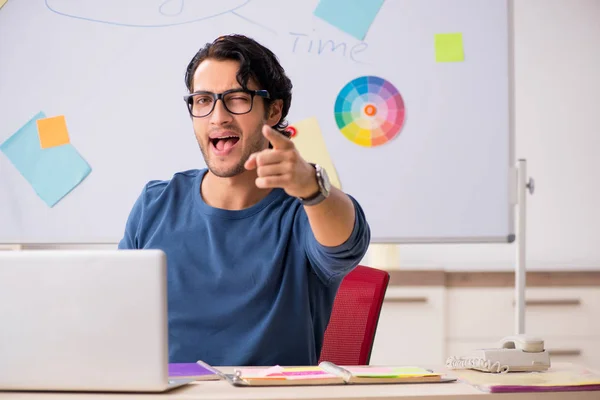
351,16
52,172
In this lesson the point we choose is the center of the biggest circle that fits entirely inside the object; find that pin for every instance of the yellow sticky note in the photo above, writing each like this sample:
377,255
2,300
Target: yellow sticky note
449,47
311,146
2,3
53,131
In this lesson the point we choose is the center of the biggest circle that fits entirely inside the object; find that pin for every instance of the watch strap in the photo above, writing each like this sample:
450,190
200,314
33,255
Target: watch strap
317,197
313,200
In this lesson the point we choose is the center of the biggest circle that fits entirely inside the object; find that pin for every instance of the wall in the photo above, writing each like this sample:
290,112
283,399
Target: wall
557,95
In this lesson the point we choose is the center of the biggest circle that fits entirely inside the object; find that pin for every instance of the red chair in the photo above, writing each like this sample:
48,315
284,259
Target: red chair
351,331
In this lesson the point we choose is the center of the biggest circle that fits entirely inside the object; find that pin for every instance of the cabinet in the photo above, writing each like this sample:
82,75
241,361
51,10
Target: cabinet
426,324
565,317
411,327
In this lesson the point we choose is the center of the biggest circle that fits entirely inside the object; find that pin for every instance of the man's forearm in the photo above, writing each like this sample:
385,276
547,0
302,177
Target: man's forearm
332,220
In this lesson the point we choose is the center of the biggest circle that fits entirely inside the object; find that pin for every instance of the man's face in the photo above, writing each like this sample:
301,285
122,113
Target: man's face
227,140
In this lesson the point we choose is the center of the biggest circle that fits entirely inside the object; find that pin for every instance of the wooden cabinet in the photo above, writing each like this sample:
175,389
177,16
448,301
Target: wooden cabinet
426,324
567,318
411,327
479,313
563,312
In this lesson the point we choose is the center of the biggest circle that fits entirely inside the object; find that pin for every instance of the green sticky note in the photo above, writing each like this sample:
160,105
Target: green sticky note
449,47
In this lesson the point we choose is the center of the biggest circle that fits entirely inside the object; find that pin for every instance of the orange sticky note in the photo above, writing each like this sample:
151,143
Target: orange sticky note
53,131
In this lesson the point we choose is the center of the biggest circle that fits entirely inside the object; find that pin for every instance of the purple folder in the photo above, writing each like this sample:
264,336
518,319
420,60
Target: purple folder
517,389
191,370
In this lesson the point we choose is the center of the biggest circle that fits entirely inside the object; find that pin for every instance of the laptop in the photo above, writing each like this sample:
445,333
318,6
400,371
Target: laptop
84,320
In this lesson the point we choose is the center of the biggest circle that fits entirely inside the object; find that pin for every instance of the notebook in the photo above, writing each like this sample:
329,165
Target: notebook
557,379
327,373
199,371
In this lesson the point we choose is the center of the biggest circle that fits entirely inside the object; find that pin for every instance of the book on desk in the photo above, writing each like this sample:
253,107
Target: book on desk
327,373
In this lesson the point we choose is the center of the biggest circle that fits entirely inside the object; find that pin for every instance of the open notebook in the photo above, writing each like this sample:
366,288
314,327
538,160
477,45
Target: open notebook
328,373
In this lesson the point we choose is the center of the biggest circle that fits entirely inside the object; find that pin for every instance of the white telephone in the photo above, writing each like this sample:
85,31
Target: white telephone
515,353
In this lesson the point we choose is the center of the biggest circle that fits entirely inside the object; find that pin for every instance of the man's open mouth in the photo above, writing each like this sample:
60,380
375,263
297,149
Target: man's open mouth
224,143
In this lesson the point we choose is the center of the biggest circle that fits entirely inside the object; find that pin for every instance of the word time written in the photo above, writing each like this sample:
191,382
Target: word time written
303,43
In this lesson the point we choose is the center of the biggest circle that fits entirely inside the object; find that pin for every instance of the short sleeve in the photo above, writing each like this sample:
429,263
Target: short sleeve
130,238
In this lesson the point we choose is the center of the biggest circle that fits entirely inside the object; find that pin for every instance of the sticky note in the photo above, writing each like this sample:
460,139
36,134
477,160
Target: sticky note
2,3
449,47
390,372
351,16
52,131
52,172
310,143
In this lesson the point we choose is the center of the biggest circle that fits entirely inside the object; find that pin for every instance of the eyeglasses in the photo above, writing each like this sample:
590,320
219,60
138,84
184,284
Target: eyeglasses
236,101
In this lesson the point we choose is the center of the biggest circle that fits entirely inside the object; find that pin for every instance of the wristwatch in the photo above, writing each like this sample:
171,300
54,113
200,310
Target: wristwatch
324,187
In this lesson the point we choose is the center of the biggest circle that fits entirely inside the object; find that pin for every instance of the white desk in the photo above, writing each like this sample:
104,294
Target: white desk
223,390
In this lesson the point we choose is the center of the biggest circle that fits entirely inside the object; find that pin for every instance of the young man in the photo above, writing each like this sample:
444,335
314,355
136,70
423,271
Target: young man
258,243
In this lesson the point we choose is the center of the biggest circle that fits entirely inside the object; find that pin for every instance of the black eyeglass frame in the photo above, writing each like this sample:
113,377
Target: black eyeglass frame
221,96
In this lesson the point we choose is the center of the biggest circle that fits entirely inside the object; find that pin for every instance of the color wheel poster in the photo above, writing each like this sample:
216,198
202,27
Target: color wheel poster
369,111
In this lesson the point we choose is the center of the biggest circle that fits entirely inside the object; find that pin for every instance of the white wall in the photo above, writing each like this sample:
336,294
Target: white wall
557,98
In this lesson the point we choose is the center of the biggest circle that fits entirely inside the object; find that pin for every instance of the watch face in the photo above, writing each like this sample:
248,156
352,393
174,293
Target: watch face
325,181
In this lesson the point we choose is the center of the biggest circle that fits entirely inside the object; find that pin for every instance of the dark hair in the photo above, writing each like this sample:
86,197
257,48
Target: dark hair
256,62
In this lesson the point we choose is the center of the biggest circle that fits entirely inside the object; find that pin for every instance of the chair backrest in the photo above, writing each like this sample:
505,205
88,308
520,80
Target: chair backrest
351,331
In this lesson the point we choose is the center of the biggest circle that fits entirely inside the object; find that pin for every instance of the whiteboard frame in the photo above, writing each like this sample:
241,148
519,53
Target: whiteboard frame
512,181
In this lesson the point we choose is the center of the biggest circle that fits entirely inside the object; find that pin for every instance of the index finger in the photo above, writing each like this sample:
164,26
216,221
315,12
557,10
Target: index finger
278,140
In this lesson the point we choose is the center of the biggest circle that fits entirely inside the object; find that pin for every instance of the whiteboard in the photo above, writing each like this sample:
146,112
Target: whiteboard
115,69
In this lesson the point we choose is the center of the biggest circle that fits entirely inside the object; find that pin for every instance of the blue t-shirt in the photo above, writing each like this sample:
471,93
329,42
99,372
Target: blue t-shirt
247,287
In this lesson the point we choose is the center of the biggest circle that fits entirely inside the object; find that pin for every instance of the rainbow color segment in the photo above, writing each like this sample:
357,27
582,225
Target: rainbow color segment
369,111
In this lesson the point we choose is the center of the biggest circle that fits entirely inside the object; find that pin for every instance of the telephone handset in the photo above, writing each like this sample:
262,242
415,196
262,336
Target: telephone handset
515,353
